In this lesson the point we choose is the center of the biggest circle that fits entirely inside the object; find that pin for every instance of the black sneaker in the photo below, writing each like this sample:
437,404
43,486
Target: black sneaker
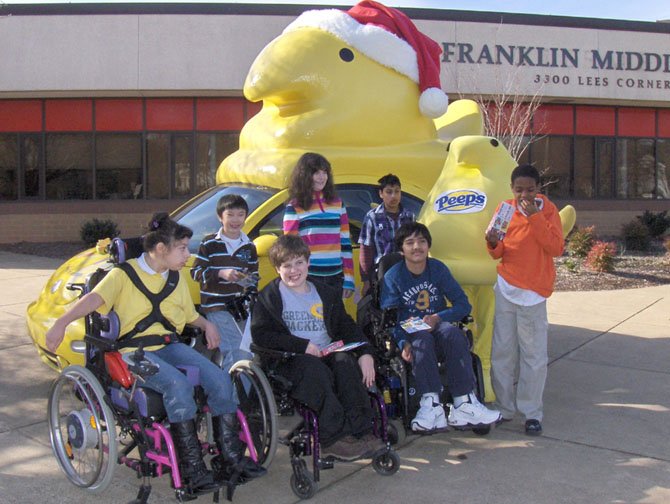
533,427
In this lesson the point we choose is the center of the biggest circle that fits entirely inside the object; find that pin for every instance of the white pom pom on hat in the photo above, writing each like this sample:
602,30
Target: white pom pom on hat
389,37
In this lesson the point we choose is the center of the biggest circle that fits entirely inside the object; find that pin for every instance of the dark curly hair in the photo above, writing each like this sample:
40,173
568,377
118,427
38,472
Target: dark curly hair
162,229
300,188
526,171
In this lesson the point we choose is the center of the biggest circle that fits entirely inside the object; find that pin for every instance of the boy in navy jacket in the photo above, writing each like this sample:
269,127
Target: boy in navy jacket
419,287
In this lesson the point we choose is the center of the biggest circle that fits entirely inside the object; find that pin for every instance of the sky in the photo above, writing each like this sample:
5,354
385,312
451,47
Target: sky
647,10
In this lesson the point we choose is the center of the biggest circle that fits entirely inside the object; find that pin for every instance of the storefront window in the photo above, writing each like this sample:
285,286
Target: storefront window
31,161
9,167
584,167
158,165
524,157
118,166
69,173
662,169
211,149
635,168
551,156
604,160
182,165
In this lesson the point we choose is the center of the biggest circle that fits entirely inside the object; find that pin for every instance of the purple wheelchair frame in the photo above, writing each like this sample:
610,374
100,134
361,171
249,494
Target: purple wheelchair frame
304,438
162,450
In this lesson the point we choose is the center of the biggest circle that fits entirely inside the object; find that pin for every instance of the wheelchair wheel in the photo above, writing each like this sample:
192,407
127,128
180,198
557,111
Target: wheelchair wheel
257,402
396,432
478,371
304,485
82,429
386,463
482,431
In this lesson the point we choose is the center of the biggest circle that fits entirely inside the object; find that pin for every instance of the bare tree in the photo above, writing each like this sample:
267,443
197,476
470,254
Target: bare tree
509,114
509,111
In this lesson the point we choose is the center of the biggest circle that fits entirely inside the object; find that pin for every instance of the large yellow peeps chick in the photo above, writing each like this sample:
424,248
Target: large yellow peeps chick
475,178
335,84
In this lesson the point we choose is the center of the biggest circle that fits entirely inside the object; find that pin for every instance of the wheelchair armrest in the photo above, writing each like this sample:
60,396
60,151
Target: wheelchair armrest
103,344
76,286
190,335
269,353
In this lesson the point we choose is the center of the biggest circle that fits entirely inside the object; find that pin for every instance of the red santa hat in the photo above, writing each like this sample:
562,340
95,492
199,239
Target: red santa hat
389,37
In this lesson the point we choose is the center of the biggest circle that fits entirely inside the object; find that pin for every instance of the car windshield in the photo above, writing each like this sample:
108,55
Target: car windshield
200,213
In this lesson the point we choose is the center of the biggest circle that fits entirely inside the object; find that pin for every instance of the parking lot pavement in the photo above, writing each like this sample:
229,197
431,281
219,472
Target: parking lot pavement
606,427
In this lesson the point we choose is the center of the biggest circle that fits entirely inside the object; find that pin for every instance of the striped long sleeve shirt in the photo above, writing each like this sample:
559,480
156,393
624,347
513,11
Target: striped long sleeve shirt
213,256
325,229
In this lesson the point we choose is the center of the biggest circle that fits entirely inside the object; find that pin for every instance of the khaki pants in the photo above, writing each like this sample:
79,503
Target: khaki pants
519,350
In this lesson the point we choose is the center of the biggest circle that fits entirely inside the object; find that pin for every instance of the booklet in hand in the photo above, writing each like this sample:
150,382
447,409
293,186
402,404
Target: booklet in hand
501,219
339,346
414,324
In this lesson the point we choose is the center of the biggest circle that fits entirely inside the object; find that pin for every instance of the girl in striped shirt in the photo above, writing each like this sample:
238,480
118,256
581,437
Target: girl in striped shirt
316,214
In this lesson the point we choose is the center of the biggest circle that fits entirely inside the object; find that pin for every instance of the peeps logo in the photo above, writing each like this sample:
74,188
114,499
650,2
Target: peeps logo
460,201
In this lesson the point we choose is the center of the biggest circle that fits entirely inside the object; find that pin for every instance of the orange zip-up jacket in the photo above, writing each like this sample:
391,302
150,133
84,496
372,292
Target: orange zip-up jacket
529,248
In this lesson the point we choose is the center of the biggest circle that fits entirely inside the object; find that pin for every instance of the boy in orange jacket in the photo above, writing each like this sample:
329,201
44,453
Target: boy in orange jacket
526,277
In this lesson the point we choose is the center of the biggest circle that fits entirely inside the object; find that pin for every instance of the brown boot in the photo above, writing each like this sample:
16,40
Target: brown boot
373,443
346,448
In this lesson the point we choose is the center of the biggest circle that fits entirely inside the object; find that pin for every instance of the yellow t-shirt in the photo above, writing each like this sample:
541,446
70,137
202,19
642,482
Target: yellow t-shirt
118,292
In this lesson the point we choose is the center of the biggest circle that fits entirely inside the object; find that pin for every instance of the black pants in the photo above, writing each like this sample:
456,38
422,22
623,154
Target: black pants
332,386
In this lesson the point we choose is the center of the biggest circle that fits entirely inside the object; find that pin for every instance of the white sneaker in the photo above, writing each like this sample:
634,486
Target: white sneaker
430,415
472,414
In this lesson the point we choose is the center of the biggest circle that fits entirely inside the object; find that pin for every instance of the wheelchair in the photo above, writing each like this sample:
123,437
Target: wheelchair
394,375
99,415
303,439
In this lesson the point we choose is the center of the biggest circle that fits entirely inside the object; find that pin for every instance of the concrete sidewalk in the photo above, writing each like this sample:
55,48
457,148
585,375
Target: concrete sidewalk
606,427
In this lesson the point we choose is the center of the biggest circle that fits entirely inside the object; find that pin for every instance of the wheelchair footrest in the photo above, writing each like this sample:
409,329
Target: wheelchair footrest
142,495
326,463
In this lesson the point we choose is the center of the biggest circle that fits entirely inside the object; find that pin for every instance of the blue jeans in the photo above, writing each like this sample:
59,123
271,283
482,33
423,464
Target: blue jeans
446,343
176,390
231,337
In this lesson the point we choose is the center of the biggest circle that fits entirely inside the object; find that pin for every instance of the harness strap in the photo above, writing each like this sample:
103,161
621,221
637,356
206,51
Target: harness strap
149,340
154,298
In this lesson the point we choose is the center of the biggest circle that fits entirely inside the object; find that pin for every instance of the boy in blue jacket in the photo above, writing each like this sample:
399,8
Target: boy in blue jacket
419,287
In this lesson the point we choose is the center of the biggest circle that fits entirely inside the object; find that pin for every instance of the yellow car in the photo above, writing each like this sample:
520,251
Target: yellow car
264,223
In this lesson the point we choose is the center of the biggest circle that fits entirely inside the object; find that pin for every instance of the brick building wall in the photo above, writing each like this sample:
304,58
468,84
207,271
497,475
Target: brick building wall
607,223
52,226
51,222
63,227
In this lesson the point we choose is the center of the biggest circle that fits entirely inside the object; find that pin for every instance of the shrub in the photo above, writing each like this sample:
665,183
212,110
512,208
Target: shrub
636,236
601,257
656,223
571,265
581,241
96,229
